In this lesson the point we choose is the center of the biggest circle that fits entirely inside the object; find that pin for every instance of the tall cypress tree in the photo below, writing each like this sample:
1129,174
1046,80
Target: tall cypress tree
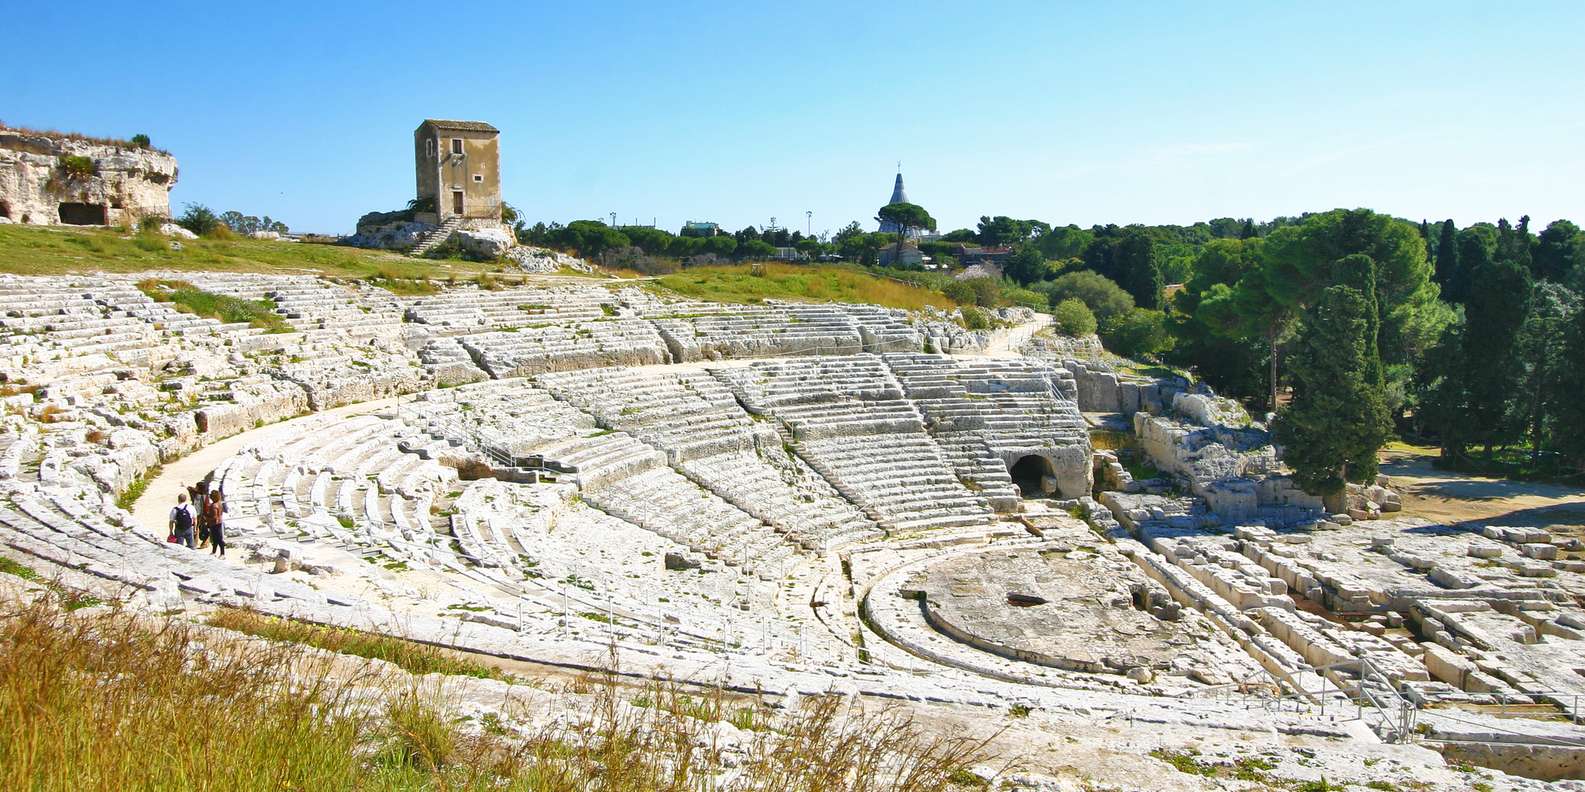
1446,256
1499,296
1138,272
1569,415
1338,419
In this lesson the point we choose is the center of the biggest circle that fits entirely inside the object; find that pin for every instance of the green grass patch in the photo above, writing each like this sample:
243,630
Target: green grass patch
411,656
135,490
36,250
188,298
798,282
9,567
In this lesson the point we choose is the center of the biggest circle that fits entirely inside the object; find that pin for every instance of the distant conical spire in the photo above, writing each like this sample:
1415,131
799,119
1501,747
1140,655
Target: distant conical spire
898,194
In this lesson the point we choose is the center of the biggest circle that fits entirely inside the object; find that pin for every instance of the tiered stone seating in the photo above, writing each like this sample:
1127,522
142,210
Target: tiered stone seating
687,414
536,349
783,490
710,331
474,310
663,501
351,488
986,413
853,425
56,326
601,458
510,415
322,311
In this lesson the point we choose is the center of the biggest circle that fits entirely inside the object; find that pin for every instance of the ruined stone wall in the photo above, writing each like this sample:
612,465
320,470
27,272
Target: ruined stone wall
127,183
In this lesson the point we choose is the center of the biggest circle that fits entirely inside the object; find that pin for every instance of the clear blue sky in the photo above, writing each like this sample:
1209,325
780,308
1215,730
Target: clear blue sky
1064,112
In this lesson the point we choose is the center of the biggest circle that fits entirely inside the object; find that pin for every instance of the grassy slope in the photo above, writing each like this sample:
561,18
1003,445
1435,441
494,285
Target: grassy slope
27,250
805,282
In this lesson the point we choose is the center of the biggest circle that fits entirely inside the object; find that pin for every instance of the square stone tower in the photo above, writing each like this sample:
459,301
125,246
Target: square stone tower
459,166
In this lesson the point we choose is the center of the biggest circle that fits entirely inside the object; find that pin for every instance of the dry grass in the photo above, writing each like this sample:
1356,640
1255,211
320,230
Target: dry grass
102,700
125,143
749,283
417,658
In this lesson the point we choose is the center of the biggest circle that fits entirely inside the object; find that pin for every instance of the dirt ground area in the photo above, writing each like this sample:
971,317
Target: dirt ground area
1451,497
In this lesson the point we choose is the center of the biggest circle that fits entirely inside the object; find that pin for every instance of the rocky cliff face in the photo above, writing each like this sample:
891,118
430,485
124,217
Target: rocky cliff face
110,185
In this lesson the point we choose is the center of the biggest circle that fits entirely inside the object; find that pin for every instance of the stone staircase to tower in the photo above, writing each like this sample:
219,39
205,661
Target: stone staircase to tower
439,234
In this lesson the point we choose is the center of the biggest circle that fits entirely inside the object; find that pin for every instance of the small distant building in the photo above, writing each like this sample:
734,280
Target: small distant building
789,254
908,256
459,167
700,228
977,254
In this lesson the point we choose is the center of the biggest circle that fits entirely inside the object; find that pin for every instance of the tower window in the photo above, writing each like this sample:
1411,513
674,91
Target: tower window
429,147
478,177
456,145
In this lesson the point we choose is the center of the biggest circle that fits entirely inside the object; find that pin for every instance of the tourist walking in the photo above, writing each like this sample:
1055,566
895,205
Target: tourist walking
181,521
215,514
201,501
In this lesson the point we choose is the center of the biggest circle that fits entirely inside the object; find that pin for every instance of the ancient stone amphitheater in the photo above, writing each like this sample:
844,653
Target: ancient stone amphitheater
784,498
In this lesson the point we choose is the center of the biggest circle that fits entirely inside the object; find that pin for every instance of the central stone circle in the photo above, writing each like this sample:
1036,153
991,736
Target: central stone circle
1066,608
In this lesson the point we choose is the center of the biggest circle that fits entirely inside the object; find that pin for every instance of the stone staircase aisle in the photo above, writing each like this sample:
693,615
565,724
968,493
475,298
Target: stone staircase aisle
440,234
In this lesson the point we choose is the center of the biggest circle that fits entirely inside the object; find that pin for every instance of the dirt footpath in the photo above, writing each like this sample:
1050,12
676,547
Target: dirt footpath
1451,497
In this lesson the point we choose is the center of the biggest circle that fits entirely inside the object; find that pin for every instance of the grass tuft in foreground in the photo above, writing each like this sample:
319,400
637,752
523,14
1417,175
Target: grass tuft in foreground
411,656
188,298
108,700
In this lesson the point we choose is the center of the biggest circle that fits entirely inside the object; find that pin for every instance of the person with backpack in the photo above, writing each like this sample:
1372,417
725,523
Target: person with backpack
215,517
181,522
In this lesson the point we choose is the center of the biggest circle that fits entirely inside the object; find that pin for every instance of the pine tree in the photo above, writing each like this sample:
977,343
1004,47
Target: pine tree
1138,271
1338,419
1541,350
1569,414
1446,256
1248,231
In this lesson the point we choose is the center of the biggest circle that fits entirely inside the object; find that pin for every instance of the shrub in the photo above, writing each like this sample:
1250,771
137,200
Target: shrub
1028,298
1139,333
141,141
986,291
1073,317
152,222
975,318
199,219
959,292
1104,297
76,167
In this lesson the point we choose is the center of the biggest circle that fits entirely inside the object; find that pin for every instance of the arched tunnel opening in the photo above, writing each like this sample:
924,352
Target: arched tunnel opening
1027,474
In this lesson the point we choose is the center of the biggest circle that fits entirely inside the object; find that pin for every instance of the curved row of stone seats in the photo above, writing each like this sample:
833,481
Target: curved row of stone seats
710,331
321,310
785,492
339,375
765,386
567,557
473,310
885,329
510,415
661,500
987,413
686,414
51,326
447,363
601,458
352,488
540,349
66,528
188,328
901,479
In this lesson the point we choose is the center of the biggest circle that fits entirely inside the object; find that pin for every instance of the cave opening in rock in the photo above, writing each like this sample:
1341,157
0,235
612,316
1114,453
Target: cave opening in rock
82,214
1027,474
